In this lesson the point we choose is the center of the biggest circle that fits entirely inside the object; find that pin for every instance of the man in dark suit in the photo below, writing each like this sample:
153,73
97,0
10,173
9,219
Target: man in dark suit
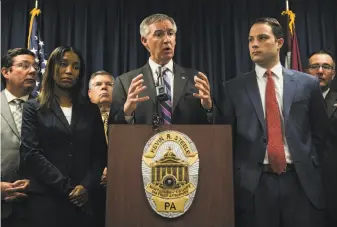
277,137
19,76
101,84
181,103
322,65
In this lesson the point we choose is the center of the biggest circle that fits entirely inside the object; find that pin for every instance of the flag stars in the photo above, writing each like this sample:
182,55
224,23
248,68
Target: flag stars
41,43
33,50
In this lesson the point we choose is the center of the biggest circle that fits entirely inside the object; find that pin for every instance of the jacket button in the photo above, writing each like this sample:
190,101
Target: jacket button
264,140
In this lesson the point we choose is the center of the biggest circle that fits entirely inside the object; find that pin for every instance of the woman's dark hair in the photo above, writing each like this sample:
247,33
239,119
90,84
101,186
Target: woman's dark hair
47,95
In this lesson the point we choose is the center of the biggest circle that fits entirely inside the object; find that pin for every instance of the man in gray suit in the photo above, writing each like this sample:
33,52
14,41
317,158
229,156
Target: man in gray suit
19,71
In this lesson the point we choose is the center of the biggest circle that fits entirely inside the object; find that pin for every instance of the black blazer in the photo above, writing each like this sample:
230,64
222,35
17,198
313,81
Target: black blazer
186,108
329,163
57,156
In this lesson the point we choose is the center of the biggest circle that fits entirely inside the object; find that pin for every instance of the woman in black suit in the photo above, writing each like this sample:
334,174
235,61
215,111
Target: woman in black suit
63,150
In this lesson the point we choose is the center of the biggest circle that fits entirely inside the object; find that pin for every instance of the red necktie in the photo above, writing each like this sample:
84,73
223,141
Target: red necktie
275,146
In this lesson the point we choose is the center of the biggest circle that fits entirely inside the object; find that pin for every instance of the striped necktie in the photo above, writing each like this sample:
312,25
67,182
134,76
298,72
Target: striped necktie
105,117
166,107
17,113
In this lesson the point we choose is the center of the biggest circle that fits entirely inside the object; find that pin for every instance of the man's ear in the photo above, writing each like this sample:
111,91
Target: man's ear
89,93
4,72
144,41
280,42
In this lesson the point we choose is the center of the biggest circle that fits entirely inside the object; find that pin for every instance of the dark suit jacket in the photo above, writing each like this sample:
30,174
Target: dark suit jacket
186,108
329,167
57,156
305,123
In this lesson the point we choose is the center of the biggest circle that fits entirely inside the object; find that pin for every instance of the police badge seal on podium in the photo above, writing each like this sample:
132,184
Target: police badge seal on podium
170,170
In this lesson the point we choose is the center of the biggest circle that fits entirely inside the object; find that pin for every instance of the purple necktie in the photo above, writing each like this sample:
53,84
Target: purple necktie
166,107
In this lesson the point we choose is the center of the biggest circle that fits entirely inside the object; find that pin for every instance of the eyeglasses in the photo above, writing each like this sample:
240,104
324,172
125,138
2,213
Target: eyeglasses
26,65
98,84
325,67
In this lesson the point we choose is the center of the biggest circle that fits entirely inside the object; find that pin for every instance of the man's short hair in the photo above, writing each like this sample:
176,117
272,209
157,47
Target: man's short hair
7,60
101,72
273,23
322,52
144,26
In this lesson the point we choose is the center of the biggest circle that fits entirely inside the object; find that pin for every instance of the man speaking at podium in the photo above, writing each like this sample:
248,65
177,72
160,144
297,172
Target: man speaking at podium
178,95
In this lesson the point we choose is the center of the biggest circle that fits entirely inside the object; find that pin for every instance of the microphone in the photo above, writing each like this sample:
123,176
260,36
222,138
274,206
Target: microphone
160,96
161,91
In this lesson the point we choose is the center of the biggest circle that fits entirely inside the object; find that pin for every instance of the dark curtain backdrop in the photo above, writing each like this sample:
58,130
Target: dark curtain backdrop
212,35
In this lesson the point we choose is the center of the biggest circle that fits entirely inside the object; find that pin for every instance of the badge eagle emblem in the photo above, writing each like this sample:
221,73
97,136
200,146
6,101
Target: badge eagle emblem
170,168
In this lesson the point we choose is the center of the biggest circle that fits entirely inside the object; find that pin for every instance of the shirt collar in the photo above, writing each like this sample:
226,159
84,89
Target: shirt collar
10,97
277,70
154,66
326,92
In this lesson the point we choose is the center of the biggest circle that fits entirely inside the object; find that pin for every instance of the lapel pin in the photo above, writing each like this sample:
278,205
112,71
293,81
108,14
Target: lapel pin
335,104
183,77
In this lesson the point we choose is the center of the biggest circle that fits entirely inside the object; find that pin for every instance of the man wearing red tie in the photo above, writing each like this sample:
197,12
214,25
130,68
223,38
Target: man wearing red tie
279,122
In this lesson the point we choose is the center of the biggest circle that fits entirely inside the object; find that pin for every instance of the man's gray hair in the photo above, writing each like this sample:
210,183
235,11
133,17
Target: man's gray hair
101,72
144,26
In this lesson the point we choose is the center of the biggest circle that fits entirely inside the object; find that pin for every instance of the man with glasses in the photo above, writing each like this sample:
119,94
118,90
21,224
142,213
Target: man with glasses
19,71
100,92
322,65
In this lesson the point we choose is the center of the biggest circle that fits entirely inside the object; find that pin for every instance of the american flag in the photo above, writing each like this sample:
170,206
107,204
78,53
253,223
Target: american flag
293,59
36,45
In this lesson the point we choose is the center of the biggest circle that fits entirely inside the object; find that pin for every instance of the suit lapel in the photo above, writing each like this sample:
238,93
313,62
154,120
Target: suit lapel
149,83
254,95
75,115
289,88
60,115
180,82
331,100
7,114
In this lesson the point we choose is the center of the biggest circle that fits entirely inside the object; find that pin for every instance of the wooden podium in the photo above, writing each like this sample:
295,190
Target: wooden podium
127,205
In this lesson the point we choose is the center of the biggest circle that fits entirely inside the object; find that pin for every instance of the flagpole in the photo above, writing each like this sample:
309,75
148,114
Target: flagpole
288,55
36,4
287,5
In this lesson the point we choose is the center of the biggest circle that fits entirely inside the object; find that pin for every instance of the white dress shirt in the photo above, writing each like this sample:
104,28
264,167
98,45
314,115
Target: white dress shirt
325,93
67,111
10,97
262,83
154,68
